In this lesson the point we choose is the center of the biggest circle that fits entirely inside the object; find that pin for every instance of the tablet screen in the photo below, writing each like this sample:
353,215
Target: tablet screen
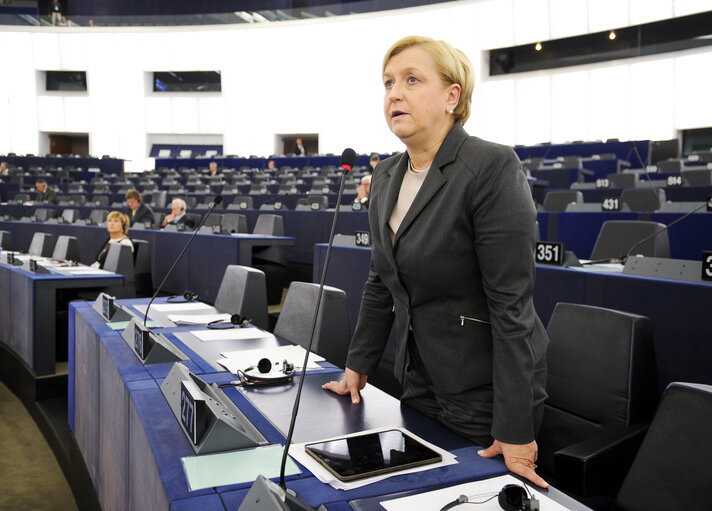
371,454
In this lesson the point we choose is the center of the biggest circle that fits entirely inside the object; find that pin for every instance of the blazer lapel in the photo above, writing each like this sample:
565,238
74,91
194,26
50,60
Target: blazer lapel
388,202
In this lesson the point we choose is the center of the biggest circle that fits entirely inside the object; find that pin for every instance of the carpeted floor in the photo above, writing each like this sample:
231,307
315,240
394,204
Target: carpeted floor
31,477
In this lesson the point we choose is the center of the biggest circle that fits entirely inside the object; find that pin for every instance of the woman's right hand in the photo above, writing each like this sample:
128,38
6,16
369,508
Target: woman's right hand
350,384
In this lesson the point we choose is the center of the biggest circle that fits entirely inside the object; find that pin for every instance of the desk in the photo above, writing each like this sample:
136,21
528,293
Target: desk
132,443
29,310
201,269
682,327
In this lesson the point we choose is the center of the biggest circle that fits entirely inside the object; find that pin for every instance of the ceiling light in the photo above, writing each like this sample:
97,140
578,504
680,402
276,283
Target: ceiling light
612,35
537,46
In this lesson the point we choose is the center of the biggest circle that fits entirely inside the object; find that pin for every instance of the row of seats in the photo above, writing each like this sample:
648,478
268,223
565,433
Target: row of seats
688,177
631,199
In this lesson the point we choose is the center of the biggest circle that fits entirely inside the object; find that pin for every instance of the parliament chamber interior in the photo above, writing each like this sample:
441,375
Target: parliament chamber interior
165,372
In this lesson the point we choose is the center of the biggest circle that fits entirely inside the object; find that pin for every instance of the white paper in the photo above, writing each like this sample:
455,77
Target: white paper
476,491
298,452
246,358
197,319
81,270
177,307
231,334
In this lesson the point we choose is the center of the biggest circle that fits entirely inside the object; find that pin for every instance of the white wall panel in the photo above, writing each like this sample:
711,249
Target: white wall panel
533,109
77,114
50,111
609,104
568,18
607,14
531,21
46,50
569,106
652,85
693,75
496,24
498,111
185,114
72,52
685,7
645,11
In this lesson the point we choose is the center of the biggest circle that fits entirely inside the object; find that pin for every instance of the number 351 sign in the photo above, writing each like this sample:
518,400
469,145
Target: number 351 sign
549,252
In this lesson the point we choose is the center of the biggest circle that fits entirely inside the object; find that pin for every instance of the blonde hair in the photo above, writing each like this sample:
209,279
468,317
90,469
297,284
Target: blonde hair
117,215
453,66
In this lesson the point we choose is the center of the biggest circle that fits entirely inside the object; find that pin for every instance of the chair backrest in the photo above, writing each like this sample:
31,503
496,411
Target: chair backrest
66,248
623,179
643,199
670,166
100,200
243,291
672,467
617,237
272,225
602,372
233,222
697,177
242,202
331,337
41,245
98,216
119,259
558,200
143,276
70,215
44,214
5,240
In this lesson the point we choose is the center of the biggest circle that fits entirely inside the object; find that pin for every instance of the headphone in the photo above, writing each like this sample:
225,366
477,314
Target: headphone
511,497
235,321
188,296
265,366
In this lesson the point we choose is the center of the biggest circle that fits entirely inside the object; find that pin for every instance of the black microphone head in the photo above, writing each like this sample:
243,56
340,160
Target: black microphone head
217,200
348,158
264,365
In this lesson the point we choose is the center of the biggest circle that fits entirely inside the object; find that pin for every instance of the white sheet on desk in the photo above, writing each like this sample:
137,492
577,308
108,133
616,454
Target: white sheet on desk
178,307
476,491
241,359
80,270
197,319
298,452
230,334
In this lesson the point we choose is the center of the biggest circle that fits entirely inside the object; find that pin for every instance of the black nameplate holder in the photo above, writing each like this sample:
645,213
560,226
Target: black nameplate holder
603,183
357,206
363,239
611,204
706,274
33,266
662,268
150,347
549,252
674,180
106,306
209,419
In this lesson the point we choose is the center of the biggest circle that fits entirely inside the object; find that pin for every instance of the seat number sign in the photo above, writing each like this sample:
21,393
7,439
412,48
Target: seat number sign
611,204
549,252
363,239
707,265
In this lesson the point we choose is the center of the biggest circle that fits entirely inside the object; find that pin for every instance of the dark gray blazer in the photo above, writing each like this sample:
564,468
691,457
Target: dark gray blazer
461,274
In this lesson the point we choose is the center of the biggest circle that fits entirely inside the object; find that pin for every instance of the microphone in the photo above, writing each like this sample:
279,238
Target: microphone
622,259
348,158
215,202
643,166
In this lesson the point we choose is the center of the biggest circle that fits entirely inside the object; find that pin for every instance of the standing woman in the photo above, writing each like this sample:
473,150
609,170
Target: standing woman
452,225
118,226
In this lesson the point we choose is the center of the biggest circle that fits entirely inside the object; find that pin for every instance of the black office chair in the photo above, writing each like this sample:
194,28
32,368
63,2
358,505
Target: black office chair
5,240
242,202
41,245
143,275
66,249
119,259
557,200
331,337
243,291
44,214
98,216
623,179
271,260
697,177
234,223
672,467
603,388
643,199
617,237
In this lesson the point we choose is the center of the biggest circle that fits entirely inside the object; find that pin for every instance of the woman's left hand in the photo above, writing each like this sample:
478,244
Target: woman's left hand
519,459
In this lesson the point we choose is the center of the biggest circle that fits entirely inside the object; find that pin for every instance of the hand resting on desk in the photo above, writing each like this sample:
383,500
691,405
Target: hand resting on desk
351,384
519,459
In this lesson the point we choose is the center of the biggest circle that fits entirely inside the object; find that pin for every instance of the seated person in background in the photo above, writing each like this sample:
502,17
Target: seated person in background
3,168
364,190
44,193
373,161
212,171
138,211
270,166
118,225
177,215
299,149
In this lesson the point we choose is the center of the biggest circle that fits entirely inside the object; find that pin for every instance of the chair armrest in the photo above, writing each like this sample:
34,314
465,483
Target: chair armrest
597,466
586,172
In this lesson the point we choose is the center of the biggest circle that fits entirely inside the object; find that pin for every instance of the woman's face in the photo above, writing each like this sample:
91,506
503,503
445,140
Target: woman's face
114,226
416,102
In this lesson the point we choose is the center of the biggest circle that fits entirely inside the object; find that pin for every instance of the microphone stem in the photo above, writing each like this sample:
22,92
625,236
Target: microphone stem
295,408
160,286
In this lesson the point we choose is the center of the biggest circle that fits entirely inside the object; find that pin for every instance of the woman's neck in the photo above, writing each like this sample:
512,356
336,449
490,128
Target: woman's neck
117,235
423,153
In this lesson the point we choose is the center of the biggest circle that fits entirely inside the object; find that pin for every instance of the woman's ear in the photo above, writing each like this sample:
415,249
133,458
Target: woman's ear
453,96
